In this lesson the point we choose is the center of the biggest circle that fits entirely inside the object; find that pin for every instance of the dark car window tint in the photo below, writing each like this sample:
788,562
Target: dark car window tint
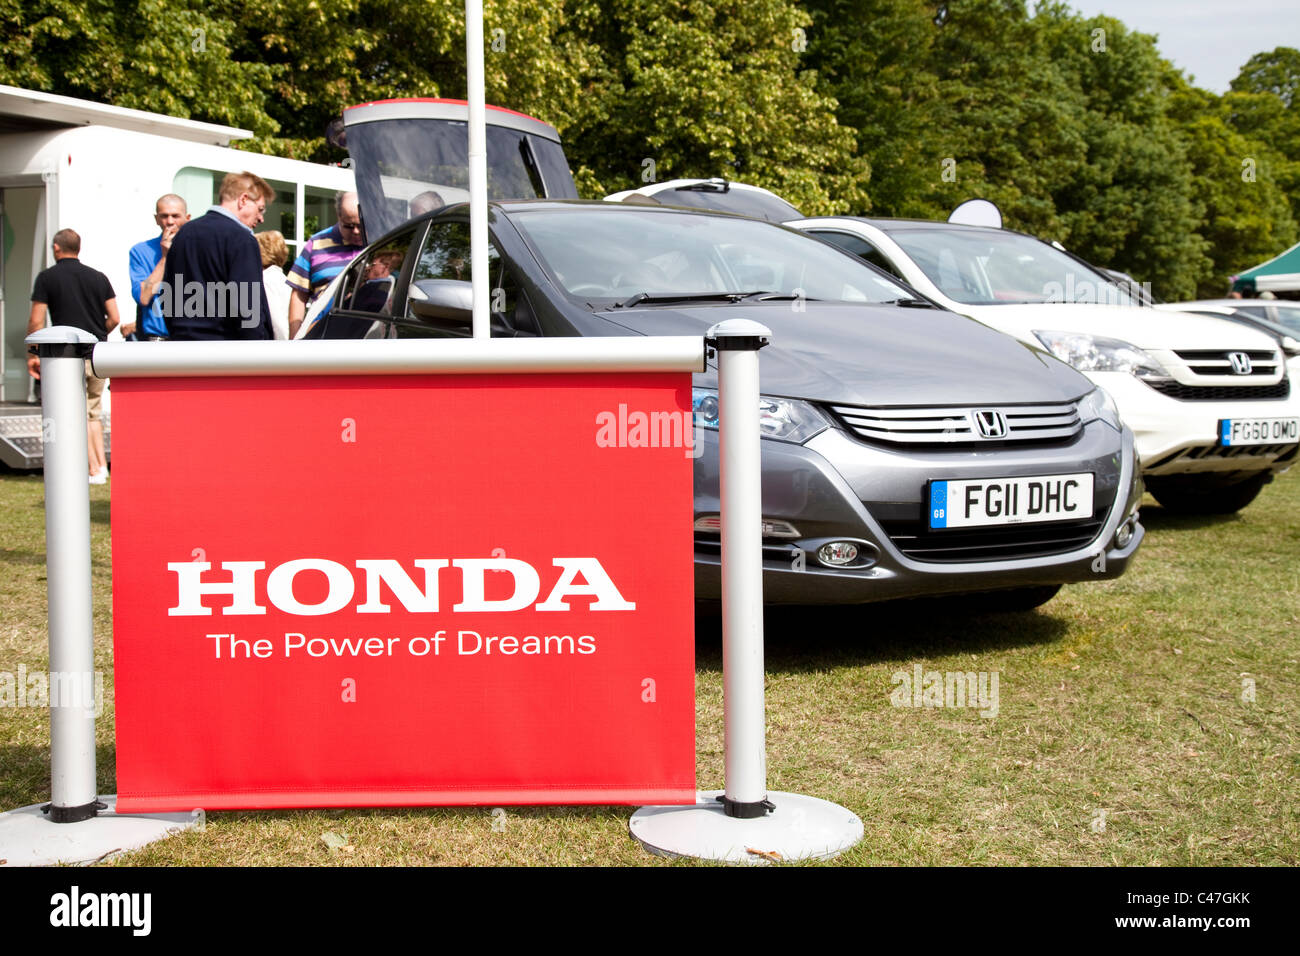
370,282
607,255
859,247
445,254
446,258
508,301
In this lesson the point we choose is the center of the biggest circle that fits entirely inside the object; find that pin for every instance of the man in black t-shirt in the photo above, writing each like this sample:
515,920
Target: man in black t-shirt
77,295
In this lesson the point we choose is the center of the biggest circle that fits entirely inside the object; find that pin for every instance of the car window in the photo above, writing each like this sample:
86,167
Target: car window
372,279
859,247
1288,316
604,256
992,267
443,268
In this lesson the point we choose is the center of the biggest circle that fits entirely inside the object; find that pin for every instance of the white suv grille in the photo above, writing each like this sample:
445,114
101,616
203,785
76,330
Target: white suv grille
1220,362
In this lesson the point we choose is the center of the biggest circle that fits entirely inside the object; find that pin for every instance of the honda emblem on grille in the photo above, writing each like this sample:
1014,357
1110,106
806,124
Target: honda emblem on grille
1240,363
990,423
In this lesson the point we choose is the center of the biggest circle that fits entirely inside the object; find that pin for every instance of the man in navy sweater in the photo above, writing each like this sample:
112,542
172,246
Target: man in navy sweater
212,279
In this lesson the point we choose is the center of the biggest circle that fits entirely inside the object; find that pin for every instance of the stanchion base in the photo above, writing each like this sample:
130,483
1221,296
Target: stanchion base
800,828
29,838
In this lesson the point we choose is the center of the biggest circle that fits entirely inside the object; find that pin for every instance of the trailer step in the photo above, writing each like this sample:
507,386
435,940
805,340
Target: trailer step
21,444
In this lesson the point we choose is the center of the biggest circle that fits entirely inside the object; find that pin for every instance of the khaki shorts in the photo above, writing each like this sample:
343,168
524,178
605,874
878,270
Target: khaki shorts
94,394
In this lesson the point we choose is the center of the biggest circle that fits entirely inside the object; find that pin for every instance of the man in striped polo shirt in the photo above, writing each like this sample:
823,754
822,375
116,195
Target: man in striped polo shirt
323,257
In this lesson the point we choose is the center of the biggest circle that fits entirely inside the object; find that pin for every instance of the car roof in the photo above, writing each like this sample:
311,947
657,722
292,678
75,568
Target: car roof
1242,303
886,224
610,208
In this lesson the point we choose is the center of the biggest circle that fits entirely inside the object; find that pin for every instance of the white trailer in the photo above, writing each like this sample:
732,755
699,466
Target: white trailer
69,163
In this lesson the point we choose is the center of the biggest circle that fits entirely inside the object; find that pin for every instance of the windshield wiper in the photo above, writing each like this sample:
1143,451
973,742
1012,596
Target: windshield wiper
776,296
642,297
911,303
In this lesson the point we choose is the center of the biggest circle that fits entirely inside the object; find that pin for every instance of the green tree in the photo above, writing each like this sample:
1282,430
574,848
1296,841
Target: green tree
1131,204
873,57
1277,72
709,89
166,56
701,89
1264,105
1247,217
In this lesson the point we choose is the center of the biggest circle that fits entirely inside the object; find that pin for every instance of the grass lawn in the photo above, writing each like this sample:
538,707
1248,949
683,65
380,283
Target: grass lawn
1146,721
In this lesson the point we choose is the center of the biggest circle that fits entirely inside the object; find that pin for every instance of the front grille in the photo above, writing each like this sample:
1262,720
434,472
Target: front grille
1216,361
1274,453
1238,451
1221,393
917,541
916,426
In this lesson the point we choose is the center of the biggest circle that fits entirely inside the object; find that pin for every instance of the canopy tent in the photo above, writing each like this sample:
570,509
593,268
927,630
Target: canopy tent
1279,274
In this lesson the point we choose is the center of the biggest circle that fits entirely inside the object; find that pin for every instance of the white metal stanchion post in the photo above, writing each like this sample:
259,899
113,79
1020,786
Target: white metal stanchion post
742,567
69,829
744,823
63,352
477,155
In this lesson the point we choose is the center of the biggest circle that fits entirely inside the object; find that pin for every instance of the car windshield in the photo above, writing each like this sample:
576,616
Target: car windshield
988,267
623,254
1284,315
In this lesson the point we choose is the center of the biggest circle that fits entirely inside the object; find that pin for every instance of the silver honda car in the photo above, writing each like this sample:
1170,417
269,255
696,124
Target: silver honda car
907,450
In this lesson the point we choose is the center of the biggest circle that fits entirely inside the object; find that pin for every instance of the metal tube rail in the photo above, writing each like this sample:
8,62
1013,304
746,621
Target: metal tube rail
399,356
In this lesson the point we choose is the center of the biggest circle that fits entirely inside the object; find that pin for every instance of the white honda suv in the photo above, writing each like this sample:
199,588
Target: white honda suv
1209,400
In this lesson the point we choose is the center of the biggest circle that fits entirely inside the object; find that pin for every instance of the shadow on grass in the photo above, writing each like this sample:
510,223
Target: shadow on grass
1158,519
451,813
805,639
17,556
25,773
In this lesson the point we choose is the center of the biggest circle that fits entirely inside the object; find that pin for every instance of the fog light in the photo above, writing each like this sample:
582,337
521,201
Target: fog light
837,554
1124,535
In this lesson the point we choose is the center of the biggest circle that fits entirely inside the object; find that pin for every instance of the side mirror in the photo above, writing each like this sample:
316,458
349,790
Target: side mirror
448,300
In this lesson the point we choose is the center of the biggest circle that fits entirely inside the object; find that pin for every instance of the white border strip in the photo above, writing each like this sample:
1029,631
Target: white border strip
683,353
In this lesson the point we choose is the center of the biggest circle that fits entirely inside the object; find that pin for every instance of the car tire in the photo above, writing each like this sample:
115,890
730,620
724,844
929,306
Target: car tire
1193,495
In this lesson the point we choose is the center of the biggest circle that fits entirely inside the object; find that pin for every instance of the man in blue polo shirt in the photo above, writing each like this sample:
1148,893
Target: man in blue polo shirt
146,264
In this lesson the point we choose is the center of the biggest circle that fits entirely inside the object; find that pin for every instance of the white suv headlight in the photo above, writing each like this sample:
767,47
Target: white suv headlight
783,419
1092,353
1097,404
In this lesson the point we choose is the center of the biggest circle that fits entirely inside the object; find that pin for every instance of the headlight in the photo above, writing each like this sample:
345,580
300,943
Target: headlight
1098,405
783,419
1092,353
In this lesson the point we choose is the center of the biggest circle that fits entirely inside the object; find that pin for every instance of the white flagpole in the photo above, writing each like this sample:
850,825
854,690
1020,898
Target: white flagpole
478,230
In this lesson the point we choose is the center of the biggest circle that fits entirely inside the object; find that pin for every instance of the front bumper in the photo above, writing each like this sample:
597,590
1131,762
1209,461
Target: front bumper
1181,437
838,488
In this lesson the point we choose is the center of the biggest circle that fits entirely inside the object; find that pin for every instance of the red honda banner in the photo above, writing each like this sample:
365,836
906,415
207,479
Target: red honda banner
346,591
